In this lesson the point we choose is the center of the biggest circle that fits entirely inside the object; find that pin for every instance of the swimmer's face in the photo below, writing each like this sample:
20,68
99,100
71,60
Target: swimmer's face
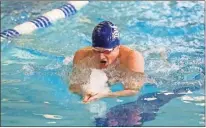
106,56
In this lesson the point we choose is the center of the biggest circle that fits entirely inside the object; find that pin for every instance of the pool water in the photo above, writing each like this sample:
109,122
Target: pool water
34,80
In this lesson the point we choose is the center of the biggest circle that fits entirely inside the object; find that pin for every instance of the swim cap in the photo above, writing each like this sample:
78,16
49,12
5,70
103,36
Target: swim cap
105,35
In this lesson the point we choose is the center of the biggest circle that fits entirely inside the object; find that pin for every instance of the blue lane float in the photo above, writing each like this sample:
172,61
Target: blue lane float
9,33
68,10
41,22
45,20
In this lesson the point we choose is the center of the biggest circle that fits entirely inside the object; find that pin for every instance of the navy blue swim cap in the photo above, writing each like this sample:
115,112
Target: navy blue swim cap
105,35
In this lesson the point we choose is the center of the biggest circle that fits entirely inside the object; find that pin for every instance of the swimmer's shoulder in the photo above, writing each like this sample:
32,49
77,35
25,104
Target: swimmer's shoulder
81,54
132,59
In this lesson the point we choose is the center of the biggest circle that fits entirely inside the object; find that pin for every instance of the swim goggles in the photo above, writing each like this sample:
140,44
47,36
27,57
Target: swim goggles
102,50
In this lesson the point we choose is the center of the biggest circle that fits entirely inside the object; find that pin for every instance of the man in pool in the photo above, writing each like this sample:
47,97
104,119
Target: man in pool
120,63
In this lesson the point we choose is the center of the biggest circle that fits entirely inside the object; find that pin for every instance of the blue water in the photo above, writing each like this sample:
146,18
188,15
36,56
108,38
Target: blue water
34,82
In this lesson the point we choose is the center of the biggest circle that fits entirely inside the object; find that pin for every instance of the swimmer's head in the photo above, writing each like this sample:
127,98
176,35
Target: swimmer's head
105,42
105,35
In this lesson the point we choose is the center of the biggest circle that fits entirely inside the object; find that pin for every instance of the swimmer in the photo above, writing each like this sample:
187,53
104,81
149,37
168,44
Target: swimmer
120,63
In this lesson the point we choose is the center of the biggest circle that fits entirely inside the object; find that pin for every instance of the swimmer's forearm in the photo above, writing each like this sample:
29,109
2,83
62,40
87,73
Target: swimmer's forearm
75,88
122,93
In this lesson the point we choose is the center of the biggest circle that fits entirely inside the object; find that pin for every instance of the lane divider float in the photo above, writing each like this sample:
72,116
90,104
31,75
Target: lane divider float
45,20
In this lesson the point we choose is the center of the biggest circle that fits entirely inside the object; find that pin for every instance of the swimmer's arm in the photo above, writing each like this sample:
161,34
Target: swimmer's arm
130,89
75,88
127,92
77,57
135,64
81,54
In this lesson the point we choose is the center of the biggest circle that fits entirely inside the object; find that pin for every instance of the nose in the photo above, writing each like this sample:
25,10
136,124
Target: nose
101,56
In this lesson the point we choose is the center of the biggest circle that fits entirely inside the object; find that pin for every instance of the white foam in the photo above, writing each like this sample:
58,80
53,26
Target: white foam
67,60
52,66
186,101
150,99
98,108
4,100
5,81
202,123
98,82
85,20
200,104
52,116
197,98
28,70
51,122
2,39
189,92
23,101
187,98
118,100
168,93
203,117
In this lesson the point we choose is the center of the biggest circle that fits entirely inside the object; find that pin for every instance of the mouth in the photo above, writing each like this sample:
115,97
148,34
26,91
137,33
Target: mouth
103,61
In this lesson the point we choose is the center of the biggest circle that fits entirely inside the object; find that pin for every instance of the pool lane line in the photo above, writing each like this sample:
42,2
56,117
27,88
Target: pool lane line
45,20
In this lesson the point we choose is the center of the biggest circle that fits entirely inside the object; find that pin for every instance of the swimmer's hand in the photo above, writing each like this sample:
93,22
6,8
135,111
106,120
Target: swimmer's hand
95,97
87,96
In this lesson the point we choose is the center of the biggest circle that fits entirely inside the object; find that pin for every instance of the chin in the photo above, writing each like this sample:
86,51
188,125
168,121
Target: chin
103,65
